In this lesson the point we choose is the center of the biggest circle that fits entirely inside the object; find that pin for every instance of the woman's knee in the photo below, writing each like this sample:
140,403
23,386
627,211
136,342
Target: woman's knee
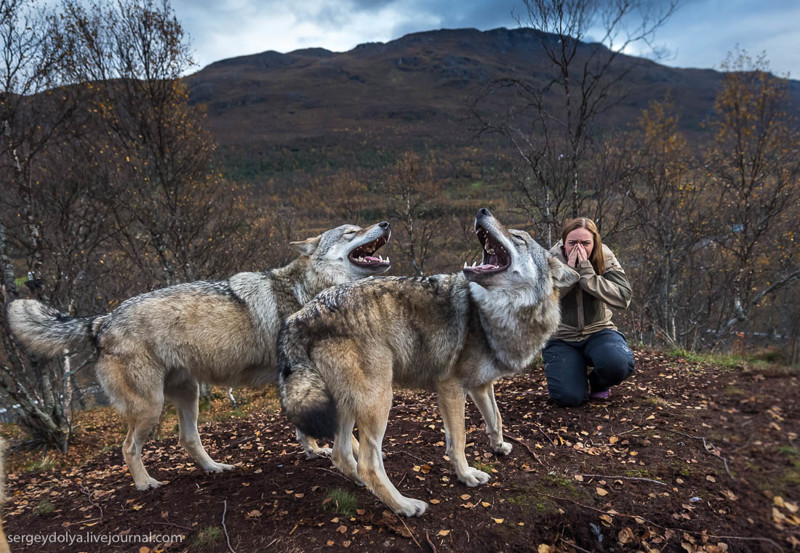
565,397
615,362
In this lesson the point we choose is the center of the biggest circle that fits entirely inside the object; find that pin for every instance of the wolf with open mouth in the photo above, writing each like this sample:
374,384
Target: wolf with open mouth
163,343
341,355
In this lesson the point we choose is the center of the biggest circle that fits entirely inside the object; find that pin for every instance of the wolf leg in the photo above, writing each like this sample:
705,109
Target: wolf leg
451,405
371,428
140,423
184,394
483,396
140,405
343,454
311,447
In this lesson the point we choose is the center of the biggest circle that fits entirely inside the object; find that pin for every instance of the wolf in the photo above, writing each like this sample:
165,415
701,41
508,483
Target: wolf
454,334
162,344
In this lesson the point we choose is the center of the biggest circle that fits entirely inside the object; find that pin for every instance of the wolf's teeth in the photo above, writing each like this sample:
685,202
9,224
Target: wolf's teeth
474,263
361,260
465,264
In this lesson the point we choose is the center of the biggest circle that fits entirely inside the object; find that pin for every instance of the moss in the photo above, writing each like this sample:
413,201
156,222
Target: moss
44,507
207,536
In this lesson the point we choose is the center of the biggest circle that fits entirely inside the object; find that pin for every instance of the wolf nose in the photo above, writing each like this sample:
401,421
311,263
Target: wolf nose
385,225
484,212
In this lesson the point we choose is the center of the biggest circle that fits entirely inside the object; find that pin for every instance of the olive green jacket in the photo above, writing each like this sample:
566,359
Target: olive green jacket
585,305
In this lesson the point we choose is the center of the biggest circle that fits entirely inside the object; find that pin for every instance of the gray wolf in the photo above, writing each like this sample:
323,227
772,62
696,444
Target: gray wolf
455,334
163,343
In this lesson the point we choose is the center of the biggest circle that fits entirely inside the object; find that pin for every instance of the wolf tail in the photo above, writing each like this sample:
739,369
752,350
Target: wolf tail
305,397
47,332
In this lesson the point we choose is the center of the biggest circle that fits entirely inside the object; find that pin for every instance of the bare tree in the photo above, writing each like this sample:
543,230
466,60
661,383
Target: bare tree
412,193
757,187
670,221
37,113
133,54
551,120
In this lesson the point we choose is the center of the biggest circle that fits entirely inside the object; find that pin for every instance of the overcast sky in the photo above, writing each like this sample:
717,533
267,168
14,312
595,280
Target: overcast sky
700,33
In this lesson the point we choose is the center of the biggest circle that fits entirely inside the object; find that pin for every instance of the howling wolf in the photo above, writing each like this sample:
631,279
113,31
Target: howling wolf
163,343
341,355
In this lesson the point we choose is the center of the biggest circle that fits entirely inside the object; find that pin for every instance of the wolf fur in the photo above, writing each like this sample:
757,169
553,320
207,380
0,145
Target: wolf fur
341,355
163,343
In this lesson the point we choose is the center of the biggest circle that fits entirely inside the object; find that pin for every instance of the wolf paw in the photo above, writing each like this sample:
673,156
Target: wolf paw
503,449
318,452
148,484
411,507
218,467
474,477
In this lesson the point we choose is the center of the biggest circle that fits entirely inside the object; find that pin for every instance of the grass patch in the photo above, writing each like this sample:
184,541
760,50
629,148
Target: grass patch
485,467
760,360
654,401
44,507
41,464
207,536
789,451
342,502
529,502
725,360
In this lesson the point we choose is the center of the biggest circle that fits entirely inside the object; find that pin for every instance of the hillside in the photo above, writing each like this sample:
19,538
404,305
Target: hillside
271,112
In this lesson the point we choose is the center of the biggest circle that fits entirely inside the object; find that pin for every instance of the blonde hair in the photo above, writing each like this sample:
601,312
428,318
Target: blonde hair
597,258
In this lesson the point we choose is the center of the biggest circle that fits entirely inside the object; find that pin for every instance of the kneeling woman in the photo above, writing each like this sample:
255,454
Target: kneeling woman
587,337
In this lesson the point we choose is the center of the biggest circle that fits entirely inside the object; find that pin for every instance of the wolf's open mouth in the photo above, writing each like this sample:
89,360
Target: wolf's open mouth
364,255
495,257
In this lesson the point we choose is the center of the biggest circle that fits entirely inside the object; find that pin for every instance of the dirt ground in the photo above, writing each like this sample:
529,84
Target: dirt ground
683,457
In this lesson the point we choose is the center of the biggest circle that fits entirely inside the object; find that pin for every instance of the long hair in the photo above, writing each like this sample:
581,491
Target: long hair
597,258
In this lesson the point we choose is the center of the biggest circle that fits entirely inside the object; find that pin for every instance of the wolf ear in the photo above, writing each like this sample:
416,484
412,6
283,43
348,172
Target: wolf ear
306,247
563,275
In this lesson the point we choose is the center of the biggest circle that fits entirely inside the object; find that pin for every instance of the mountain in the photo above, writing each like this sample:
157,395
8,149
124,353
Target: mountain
272,112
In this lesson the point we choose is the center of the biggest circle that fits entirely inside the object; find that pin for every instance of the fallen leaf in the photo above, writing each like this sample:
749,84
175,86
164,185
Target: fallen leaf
498,520
544,548
443,533
711,478
601,492
255,513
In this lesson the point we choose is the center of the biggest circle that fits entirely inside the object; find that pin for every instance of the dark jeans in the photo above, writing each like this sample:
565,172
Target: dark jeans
565,365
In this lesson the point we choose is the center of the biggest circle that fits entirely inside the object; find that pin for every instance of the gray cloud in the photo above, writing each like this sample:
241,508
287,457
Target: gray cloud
699,34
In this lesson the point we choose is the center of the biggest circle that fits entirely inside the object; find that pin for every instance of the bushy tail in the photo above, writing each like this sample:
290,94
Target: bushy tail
46,331
305,397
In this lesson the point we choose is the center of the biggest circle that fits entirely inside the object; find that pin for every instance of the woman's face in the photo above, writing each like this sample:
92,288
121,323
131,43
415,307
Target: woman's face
580,237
